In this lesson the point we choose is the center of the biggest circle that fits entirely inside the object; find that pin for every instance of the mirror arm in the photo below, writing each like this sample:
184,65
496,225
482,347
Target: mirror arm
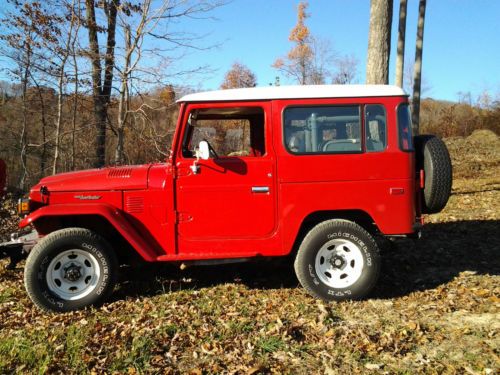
195,168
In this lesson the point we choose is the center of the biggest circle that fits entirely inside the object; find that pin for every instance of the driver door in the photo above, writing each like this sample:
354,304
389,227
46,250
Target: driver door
226,205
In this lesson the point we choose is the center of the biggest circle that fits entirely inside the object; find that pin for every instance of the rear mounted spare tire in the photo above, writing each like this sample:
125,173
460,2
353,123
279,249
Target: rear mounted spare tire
432,156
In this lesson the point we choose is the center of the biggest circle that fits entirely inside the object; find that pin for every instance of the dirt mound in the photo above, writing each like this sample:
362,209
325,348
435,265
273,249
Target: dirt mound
483,136
475,156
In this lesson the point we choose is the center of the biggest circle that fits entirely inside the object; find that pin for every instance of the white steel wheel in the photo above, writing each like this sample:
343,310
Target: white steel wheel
73,274
339,263
70,269
338,260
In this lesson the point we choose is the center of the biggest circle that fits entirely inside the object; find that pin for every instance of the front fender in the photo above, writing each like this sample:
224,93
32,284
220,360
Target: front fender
108,212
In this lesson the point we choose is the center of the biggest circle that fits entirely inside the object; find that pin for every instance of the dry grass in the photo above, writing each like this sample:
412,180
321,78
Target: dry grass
435,309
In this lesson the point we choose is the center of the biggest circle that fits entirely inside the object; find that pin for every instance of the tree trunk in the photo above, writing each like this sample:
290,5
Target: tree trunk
417,72
43,155
400,57
123,100
379,42
60,84
60,87
24,130
101,91
75,101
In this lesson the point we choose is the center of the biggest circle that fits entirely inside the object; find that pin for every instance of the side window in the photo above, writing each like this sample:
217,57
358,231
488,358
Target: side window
237,131
322,130
376,128
404,128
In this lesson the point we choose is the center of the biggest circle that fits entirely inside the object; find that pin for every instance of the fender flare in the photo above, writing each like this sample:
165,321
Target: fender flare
108,212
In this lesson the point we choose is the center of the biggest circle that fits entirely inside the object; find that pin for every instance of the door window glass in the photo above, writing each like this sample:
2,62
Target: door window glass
231,132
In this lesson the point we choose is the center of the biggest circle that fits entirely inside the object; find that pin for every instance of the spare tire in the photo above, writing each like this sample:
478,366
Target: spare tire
432,156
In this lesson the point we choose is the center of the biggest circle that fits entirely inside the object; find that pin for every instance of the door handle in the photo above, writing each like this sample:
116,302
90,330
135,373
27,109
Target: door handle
260,189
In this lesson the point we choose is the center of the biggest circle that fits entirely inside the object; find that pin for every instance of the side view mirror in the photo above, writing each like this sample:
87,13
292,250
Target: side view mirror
203,151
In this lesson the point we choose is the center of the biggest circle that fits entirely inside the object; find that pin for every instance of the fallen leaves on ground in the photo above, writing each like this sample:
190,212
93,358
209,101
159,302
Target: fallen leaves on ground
435,309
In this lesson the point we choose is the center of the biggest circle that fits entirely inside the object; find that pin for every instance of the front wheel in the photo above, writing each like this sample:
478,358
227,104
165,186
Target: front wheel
338,260
70,269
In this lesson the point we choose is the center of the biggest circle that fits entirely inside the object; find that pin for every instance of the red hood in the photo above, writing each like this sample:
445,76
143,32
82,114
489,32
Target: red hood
117,178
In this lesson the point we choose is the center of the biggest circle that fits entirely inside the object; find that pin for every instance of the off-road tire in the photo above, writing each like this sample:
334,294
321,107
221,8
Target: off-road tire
432,156
323,234
55,244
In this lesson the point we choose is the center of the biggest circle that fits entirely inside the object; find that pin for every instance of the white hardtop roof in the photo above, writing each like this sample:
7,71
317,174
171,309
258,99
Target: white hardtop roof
295,92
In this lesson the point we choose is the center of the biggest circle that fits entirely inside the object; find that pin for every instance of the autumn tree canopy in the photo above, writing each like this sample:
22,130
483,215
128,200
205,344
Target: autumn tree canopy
297,63
313,60
239,76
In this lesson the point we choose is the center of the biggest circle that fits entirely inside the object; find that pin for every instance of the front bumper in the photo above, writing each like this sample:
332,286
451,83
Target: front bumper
18,248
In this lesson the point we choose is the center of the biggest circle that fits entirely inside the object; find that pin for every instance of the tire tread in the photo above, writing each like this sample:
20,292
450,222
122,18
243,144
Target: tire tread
30,268
301,270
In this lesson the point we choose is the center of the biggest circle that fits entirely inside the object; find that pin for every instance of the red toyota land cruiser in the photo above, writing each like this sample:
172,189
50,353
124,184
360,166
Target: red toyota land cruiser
309,171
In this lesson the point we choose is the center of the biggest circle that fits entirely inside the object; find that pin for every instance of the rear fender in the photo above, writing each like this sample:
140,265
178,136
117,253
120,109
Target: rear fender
108,212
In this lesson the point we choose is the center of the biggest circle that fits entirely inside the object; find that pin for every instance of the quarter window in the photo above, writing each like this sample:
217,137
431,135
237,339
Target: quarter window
322,130
376,128
404,128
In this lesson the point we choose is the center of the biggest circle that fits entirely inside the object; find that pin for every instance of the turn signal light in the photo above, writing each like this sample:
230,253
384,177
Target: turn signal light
23,206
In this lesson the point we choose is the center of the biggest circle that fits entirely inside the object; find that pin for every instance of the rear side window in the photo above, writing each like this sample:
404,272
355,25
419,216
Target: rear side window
322,130
376,128
404,128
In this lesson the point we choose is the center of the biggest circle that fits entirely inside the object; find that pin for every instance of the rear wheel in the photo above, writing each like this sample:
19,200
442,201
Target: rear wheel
70,269
338,260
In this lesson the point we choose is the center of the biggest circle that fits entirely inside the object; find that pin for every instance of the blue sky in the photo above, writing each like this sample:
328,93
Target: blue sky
461,42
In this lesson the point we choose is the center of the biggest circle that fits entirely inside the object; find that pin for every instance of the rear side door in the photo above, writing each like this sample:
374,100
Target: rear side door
226,206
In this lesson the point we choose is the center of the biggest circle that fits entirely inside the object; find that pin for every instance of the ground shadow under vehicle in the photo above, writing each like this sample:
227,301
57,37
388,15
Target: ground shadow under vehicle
446,250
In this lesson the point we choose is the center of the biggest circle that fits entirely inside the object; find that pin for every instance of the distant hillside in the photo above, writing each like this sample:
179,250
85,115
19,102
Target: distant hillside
448,119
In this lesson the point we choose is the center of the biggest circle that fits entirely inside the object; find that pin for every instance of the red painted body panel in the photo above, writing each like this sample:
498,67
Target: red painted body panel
167,213
110,213
218,212
129,177
311,183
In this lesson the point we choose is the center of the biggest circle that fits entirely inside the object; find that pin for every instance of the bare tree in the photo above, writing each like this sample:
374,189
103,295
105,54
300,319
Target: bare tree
76,81
403,5
379,42
101,86
346,70
140,22
417,78
408,78
323,60
64,52
27,32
